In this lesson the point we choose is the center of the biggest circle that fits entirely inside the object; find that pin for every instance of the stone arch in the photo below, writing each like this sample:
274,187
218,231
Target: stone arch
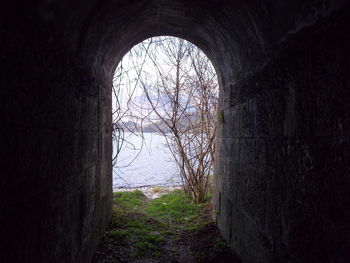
280,198
112,31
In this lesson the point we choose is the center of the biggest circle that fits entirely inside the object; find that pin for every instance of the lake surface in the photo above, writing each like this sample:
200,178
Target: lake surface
153,164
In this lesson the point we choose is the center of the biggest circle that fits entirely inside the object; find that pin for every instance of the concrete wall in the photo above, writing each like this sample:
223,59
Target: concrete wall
282,178
55,148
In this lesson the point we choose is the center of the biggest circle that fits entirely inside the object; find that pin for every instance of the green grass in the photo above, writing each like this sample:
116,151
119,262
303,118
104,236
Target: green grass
173,208
148,243
158,229
145,224
129,201
145,234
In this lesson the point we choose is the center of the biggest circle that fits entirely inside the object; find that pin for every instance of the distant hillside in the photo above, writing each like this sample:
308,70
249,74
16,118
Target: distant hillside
154,127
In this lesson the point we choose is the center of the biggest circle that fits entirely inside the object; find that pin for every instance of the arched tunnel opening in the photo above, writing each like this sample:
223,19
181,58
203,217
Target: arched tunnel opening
164,113
281,188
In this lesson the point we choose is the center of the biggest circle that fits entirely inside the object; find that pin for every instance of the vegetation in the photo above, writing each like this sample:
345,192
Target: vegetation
171,86
158,229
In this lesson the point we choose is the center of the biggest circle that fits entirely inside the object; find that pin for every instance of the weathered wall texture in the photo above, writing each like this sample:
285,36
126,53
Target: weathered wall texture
282,170
282,183
55,148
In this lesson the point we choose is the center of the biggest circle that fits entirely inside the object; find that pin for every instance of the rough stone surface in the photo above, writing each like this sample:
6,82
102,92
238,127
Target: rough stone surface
55,149
282,178
282,172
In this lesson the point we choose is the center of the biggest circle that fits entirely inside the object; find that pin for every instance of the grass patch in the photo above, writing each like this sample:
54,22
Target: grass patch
143,228
129,201
144,233
145,224
173,209
148,244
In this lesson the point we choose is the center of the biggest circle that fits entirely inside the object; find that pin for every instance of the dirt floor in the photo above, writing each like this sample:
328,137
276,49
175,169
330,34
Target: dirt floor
135,237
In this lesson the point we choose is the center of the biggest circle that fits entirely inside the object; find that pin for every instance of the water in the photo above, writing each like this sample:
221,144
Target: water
154,164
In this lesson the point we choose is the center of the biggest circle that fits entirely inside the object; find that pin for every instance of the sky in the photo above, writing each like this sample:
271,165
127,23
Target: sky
146,63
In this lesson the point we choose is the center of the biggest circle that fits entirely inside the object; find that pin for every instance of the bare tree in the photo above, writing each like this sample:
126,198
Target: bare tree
181,97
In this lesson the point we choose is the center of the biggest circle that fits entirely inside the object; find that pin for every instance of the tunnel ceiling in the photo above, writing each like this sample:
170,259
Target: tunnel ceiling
238,34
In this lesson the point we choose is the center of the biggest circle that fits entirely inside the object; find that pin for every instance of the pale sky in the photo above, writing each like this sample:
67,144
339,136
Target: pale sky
128,84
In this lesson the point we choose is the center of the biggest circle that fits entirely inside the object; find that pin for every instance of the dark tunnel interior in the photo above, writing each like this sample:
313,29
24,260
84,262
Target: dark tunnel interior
282,172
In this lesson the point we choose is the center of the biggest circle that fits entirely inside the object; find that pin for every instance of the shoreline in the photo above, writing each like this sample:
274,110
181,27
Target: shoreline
150,191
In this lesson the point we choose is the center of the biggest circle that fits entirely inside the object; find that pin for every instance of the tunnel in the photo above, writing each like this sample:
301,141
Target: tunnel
282,171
